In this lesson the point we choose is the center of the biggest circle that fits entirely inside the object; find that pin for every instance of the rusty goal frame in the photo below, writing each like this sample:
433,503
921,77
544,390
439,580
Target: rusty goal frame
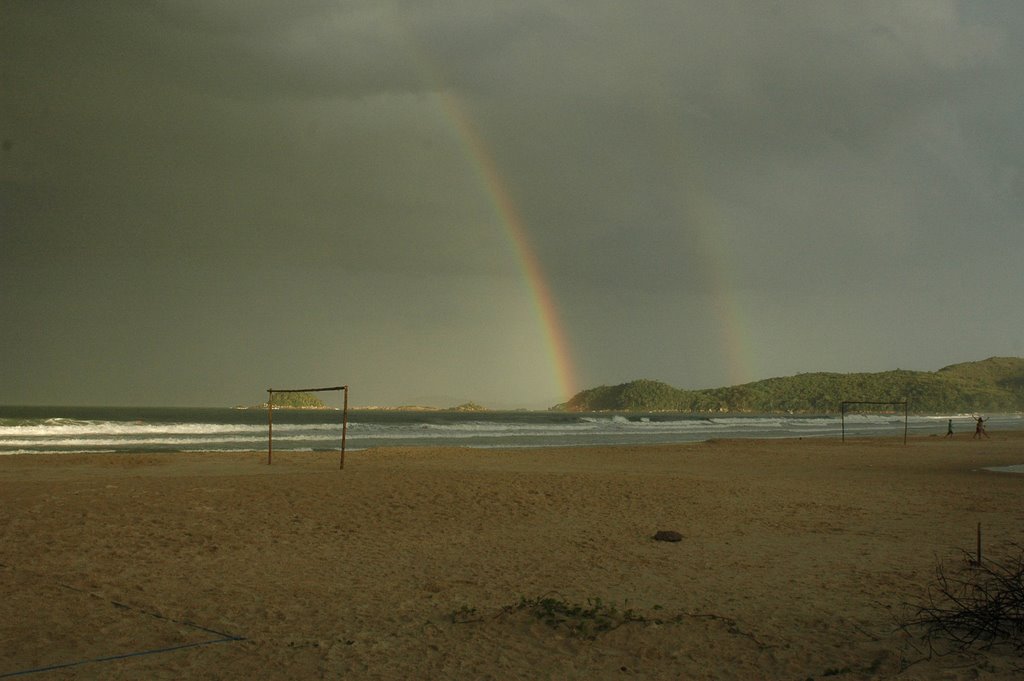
270,417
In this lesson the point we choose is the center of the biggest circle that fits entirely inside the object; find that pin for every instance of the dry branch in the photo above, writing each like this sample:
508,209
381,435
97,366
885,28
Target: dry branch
977,603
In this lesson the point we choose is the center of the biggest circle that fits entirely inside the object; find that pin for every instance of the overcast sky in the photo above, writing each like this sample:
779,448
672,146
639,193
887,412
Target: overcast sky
202,199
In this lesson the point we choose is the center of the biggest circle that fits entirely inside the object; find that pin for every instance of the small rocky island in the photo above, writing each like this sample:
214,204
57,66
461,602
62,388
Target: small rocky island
287,400
466,406
304,400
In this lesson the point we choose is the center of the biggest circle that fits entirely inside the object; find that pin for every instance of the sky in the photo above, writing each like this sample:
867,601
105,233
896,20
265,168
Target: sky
501,202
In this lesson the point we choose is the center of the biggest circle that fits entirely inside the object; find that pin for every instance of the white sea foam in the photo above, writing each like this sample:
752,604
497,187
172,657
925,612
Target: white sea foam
1018,468
220,430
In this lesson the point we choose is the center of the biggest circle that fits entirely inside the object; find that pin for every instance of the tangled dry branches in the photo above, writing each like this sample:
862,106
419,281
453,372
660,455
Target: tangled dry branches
973,604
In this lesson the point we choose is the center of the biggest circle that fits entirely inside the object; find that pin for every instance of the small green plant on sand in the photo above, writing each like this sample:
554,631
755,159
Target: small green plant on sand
465,615
582,620
592,618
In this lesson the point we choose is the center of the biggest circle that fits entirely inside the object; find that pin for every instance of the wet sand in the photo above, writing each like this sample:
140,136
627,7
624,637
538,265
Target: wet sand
796,559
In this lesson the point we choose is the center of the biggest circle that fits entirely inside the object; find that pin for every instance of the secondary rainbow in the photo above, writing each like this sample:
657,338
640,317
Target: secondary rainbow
702,219
713,245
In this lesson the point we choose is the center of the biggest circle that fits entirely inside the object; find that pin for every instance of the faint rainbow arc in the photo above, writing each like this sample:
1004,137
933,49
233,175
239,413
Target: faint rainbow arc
720,277
729,313
702,220
543,298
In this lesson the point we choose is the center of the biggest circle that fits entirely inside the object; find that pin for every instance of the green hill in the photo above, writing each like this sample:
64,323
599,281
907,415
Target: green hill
992,385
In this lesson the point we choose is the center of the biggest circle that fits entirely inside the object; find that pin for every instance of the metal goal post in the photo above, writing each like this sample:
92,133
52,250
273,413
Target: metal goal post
270,417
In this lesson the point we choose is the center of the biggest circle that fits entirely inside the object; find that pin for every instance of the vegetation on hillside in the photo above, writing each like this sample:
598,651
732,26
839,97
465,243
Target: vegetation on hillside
992,385
468,406
297,401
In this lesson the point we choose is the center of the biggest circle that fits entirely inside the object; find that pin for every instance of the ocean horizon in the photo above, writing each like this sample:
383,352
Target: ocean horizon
34,429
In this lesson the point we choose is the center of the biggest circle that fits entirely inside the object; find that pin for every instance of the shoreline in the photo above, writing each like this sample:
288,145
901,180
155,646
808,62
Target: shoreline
172,430
962,437
416,562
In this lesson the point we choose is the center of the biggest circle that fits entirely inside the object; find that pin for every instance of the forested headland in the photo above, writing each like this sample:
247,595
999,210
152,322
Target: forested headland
992,385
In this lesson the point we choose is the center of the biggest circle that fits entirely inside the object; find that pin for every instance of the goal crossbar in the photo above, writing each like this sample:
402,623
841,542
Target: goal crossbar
270,416
889,403
305,390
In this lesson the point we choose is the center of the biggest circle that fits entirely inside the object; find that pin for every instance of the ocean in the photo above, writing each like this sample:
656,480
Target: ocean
162,429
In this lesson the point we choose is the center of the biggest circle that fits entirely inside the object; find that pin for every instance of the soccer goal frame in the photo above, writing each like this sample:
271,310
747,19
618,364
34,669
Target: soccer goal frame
891,403
270,417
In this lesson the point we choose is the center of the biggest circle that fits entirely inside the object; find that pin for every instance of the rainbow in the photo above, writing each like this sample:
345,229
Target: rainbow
704,218
727,310
698,206
543,299
482,160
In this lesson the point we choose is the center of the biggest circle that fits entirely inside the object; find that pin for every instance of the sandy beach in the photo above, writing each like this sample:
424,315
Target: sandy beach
796,560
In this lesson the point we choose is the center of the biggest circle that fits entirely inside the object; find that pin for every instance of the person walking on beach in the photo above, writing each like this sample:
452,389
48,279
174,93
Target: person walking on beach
949,429
979,428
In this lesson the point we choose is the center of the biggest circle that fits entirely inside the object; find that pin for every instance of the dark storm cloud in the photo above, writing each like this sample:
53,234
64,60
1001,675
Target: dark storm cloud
732,97
238,166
